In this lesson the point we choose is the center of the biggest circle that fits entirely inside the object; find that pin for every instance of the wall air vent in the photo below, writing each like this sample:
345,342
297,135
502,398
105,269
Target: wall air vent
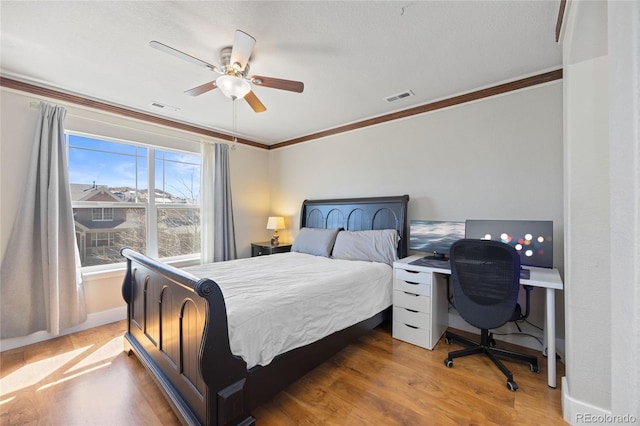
399,96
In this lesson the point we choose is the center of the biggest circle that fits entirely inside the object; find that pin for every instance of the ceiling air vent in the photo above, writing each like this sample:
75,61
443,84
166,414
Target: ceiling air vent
399,96
159,105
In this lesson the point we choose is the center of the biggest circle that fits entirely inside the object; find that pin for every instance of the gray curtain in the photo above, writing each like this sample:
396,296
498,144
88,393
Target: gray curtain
40,279
218,235
224,237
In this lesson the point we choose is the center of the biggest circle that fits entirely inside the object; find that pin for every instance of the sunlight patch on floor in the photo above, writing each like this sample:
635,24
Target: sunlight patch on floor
73,376
4,401
37,371
106,352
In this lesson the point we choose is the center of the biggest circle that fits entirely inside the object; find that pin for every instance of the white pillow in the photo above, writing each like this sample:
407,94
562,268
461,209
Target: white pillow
373,246
316,241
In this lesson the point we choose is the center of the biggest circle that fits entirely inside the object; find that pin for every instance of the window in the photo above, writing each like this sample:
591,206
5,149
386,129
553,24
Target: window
102,239
101,214
131,195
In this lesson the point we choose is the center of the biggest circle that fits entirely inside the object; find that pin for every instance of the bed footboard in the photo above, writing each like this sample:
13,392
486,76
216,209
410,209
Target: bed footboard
174,322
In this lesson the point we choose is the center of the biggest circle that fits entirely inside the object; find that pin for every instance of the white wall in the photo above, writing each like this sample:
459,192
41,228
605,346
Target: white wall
587,242
497,158
624,124
249,166
601,52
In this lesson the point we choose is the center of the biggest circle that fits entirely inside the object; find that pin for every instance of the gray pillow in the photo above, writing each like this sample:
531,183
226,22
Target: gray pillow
373,246
316,241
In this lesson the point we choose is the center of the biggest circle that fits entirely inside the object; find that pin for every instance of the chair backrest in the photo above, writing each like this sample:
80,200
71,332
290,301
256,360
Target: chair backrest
486,279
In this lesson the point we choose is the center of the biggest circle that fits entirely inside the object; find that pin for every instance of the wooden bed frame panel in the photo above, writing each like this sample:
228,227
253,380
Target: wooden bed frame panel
177,326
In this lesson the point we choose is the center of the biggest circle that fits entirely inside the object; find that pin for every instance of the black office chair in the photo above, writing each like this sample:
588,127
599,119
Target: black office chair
486,281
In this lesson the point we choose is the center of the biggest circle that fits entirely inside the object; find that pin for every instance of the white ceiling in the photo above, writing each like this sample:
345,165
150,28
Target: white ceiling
350,55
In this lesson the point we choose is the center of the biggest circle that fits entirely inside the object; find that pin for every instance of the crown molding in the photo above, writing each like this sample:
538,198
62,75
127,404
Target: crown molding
421,109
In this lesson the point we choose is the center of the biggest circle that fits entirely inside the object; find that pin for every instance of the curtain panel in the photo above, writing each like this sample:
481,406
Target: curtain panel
218,232
40,279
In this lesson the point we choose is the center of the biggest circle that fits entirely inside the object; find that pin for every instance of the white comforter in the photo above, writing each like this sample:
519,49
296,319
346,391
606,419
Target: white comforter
283,301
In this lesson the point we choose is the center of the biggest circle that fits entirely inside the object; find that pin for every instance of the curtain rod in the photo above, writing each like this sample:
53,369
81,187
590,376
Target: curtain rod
232,145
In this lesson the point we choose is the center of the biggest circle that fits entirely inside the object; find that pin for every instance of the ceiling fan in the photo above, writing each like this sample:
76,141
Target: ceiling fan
234,70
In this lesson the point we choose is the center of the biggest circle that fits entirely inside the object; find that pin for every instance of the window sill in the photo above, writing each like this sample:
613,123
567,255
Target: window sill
118,269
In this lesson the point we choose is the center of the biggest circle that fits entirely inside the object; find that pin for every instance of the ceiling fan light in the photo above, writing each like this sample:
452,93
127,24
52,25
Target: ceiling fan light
233,87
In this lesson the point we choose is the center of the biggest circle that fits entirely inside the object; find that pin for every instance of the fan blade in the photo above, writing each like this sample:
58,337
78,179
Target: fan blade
254,102
242,48
203,88
170,50
277,83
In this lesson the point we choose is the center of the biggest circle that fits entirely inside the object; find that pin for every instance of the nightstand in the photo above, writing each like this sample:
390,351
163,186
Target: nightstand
419,304
264,248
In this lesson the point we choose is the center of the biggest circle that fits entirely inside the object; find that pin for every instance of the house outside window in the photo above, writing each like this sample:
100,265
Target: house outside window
133,195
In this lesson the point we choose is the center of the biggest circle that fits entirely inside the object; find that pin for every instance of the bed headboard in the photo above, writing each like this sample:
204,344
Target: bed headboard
358,214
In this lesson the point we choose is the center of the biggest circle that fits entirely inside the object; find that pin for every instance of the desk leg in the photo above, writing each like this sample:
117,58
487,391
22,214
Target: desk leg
550,325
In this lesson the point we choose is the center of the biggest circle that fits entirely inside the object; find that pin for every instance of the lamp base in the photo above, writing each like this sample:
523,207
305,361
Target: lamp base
274,240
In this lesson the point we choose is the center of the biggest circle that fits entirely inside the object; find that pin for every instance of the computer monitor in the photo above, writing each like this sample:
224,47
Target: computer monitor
533,239
434,237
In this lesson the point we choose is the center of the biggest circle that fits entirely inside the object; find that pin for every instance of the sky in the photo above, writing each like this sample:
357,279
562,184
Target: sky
117,164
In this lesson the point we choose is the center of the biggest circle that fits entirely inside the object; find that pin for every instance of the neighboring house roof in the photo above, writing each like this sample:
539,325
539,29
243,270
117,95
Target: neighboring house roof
106,225
92,192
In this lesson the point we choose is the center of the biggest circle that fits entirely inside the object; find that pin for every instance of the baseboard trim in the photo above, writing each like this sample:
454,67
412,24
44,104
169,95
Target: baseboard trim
93,320
576,412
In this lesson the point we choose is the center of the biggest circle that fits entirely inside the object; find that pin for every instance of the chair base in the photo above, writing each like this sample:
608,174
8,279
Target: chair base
486,347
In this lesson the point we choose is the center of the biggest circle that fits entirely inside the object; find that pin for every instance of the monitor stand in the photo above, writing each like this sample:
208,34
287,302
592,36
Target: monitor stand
436,260
436,256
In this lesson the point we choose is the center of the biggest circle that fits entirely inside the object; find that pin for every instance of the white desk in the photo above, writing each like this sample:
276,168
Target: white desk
540,277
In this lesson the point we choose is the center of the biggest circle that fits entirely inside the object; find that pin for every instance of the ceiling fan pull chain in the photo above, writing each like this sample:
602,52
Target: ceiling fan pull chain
235,126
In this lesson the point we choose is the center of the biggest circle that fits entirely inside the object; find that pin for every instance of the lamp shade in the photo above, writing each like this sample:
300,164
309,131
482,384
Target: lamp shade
233,87
275,222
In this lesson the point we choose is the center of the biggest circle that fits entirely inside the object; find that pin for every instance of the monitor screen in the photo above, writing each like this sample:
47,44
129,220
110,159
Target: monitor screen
434,237
533,239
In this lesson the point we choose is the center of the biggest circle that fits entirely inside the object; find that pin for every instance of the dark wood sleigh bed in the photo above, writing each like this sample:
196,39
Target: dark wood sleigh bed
177,326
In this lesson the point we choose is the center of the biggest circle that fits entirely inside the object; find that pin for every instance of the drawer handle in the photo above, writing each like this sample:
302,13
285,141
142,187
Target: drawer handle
411,294
411,282
411,310
412,272
412,326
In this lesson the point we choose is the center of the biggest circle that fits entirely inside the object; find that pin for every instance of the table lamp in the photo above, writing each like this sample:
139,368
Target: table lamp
275,223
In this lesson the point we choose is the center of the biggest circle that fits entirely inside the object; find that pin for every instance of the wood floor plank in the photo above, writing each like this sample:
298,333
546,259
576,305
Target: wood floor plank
86,378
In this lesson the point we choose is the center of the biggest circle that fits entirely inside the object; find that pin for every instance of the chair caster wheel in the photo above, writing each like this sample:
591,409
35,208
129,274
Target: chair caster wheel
512,386
448,362
534,368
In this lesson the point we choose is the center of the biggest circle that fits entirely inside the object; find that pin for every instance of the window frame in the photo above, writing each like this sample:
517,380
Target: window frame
150,206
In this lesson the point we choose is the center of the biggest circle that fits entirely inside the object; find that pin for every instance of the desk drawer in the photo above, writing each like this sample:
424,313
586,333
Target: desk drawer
415,335
412,287
413,277
410,317
412,301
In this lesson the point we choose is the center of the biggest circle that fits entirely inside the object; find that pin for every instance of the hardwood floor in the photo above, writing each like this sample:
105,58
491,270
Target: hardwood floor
86,378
